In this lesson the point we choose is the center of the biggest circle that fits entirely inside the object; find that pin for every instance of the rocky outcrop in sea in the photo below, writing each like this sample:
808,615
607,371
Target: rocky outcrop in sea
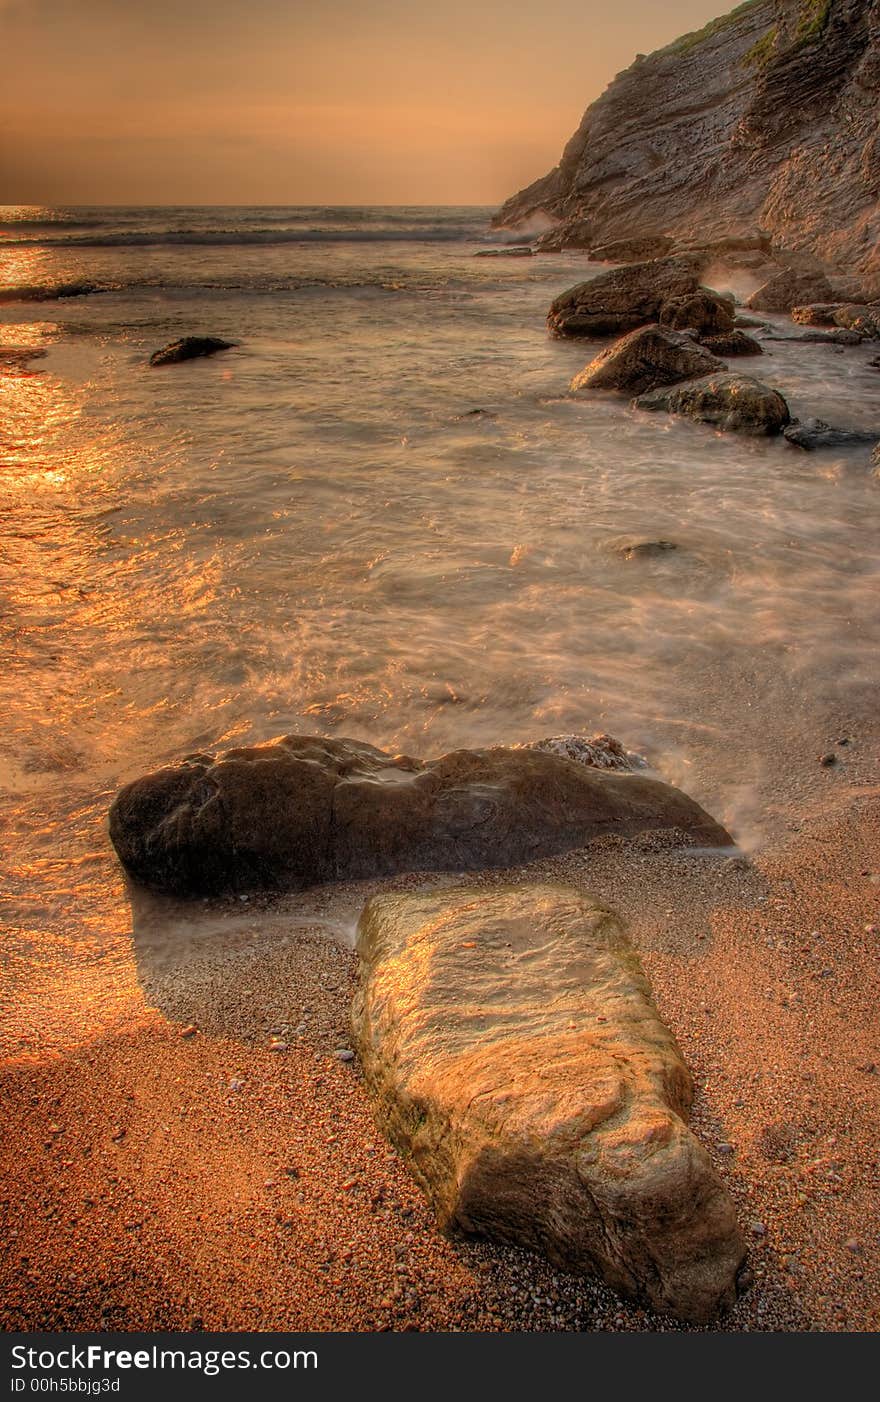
765,124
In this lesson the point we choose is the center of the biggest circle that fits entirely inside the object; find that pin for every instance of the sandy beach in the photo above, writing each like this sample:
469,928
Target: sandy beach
183,1176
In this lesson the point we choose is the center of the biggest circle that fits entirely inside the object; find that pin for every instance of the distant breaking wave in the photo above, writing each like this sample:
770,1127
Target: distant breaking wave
244,237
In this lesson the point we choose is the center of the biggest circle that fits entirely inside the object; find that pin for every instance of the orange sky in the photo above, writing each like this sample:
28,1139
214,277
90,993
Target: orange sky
283,102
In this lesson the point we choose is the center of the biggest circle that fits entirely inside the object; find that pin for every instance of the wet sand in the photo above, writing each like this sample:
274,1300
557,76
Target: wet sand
181,1175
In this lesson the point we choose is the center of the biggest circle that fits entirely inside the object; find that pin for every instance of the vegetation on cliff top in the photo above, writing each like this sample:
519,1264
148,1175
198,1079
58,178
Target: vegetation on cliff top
812,19
761,52
691,41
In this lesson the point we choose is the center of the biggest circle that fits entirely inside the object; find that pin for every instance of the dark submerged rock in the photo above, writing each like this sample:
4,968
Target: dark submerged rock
833,336
189,348
513,250
19,356
304,810
647,549
811,434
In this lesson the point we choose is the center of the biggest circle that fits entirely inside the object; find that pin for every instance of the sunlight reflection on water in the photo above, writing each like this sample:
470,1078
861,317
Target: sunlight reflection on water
312,533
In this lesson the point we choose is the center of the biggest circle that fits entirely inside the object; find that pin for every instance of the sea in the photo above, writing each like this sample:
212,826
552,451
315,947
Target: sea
382,516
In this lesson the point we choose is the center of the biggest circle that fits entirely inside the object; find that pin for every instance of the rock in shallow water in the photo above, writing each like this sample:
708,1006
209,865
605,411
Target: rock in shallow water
647,549
733,342
644,359
516,1059
811,434
736,403
622,299
189,348
705,312
303,810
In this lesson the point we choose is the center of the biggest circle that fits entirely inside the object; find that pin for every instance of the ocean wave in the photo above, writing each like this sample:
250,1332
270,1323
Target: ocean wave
223,238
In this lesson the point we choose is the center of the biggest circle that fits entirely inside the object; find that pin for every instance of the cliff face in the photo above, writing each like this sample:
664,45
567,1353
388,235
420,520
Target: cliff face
769,118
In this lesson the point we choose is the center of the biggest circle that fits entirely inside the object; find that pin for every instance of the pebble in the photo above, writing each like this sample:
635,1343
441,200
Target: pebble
344,1054
189,1031
277,1044
826,761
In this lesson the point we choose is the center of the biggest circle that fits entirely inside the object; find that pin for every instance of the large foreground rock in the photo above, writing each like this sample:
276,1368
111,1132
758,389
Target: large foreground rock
304,810
517,1061
623,298
644,359
735,403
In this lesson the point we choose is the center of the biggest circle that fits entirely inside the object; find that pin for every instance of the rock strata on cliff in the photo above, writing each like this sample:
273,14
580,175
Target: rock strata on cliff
516,1059
768,119
304,810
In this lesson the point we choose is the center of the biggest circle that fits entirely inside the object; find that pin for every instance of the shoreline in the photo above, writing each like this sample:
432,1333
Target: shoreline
175,1172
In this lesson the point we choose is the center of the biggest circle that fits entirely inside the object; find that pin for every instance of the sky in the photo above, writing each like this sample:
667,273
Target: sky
325,102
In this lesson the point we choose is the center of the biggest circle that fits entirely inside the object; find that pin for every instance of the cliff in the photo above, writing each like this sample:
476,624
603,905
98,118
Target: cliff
767,119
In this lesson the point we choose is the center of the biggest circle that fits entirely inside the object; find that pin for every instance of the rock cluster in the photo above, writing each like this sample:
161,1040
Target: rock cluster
668,368
597,751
